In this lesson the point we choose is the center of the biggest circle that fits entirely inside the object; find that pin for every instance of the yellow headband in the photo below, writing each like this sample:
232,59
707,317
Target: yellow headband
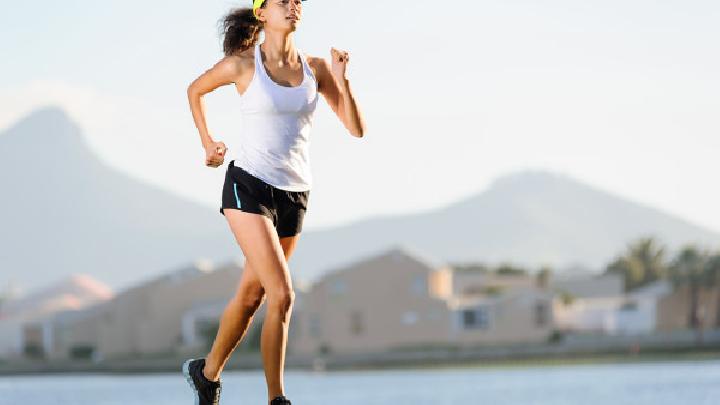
256,5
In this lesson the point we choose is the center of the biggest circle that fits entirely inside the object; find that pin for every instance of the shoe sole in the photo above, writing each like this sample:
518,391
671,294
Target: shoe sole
188,378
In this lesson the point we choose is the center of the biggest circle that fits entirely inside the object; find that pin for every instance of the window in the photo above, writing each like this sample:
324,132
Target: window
629,306
409,317
476,318
314,325
338,287
419,285
357,324
541,314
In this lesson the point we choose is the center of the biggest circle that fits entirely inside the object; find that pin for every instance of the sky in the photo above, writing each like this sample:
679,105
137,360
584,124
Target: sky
620,95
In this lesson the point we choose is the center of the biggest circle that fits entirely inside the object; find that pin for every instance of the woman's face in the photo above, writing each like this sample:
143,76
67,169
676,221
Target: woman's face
282,13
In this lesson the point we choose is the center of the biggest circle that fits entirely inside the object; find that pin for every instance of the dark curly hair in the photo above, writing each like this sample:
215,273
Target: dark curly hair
240,29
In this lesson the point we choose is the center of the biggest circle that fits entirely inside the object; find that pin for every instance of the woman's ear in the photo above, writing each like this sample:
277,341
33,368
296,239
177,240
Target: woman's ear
259,14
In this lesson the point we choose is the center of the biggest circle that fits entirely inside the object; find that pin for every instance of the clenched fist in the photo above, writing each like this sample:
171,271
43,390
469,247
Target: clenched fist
215,154
339,60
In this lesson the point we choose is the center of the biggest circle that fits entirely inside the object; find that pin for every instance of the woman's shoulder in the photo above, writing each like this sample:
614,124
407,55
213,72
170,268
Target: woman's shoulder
240,60
313,61
318,64
248,52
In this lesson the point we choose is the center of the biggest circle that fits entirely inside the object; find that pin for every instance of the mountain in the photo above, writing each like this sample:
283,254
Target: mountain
526,218
63,211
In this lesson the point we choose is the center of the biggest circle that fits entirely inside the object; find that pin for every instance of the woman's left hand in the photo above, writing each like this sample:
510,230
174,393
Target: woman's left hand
339,59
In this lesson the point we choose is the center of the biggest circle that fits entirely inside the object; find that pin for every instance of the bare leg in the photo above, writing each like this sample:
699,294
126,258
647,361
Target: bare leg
267,256
236,318
239,314
273,341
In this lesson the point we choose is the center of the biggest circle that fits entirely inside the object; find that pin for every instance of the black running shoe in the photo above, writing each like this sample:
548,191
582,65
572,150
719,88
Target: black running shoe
280,400
206,392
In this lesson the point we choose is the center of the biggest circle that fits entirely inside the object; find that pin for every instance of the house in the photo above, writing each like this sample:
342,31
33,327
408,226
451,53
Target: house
607,309
22,328
673,312
516,316
144,319
401,299
588,285
392,299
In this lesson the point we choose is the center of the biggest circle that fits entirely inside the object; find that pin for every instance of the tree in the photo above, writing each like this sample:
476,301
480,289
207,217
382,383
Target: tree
712,268
567,298
509,269
642,263
690,268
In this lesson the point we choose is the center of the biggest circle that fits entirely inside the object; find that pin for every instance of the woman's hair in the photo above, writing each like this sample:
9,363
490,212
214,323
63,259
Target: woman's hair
240,29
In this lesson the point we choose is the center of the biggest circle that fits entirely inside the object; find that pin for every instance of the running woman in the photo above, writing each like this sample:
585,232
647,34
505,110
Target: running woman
268,180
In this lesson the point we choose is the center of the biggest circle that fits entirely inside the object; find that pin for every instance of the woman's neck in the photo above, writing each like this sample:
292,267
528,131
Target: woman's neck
279,48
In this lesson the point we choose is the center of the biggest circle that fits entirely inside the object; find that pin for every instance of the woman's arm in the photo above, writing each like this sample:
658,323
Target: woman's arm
334,85
223,72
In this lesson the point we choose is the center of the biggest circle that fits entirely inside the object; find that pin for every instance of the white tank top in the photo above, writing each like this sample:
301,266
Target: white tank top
275,128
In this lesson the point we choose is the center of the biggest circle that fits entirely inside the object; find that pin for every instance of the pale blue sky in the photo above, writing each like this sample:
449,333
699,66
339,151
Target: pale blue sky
622,95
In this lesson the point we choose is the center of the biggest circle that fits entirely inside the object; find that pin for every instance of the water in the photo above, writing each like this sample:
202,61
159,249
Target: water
656,383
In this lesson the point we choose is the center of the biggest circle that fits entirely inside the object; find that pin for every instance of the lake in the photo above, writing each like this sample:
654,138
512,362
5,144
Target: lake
651,383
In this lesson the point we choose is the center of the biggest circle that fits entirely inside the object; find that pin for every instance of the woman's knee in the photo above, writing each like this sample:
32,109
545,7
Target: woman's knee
281,299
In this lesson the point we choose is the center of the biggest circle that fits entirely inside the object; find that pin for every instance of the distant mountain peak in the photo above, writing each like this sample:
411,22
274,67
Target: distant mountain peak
50,115
49,135
529,179
85,216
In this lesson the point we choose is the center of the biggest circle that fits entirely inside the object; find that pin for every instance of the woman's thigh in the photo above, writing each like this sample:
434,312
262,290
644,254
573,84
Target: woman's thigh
263,251
250,285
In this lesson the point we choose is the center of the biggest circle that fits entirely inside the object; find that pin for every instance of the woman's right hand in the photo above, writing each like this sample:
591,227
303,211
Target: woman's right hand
215,154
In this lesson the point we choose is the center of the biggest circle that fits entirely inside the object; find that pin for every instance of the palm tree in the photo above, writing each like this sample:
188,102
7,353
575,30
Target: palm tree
712,268
642,263
690,267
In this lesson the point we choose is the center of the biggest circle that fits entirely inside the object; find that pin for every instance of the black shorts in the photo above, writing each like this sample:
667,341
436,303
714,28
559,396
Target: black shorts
248,193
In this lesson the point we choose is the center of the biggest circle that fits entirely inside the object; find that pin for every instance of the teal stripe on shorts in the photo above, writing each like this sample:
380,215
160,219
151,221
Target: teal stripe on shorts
237,199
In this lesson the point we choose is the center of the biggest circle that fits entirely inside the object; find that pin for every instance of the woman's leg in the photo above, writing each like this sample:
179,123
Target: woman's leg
239,314
273,340
236,318
264,253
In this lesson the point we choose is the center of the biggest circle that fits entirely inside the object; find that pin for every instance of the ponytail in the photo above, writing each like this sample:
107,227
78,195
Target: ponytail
240,30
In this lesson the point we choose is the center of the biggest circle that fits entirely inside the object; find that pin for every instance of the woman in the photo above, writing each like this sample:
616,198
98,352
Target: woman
268,181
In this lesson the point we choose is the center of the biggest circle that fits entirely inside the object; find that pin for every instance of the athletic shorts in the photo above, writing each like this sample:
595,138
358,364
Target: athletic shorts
247,193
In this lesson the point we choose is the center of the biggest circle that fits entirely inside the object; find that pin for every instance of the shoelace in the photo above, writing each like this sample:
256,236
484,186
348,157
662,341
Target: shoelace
280,401
216,399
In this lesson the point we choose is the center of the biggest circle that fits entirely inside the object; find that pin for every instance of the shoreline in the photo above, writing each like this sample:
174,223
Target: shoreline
328,364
